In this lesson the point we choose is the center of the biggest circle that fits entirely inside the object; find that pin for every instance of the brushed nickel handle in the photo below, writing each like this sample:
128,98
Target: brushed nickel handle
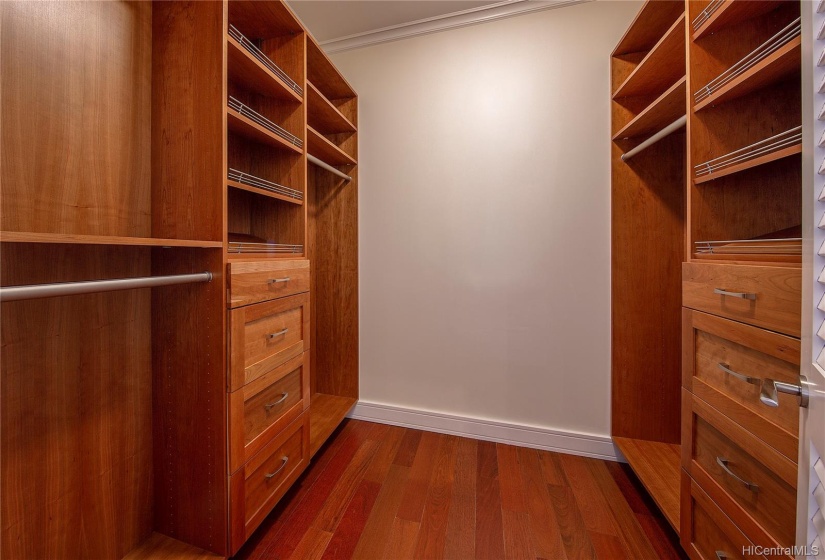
740,295
746,378
769,394
278,280
277,334
722,555
724,464
284,461
276,403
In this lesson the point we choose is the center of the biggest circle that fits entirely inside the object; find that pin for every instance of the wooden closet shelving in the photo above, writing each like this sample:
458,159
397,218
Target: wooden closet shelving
660,68
323,115
332,105
69,238
163,386
649,94
325,149
731,12
664,110
253,75
706,276
243,126
780,65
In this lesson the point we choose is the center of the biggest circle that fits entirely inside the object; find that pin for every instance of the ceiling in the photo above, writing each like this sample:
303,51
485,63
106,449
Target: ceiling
329,20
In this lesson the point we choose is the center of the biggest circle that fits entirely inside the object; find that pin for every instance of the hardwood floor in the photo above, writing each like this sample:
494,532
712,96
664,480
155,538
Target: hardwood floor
378,491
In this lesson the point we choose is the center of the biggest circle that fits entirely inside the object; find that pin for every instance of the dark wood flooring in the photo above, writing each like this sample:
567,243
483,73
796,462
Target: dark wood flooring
383,492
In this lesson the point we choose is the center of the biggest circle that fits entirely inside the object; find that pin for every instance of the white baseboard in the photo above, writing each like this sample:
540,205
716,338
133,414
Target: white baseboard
573,443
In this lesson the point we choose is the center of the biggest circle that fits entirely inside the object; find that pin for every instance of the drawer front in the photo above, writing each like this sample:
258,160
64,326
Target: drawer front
738,469
724,364
707,533
257,281
264,407
255,489
265,335
770,296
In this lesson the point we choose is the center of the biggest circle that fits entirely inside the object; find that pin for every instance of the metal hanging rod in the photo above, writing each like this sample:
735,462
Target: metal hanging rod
669,129
15,293
328,167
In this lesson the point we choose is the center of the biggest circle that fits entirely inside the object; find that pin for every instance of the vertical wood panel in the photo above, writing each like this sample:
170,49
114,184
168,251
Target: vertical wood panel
76,117
76,455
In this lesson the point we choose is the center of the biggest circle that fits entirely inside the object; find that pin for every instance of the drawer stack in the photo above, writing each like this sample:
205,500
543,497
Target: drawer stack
268,385
739,445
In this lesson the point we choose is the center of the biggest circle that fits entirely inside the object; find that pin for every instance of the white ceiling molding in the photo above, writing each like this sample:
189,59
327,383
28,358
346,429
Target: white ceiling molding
452,20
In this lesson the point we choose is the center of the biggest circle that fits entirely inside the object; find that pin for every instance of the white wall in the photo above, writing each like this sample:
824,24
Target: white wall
485,218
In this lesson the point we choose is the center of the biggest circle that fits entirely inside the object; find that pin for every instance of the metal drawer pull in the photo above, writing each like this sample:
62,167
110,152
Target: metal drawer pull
276,403
278,280
769,394
277,334
724,464
741,295
745,378
284,460
722,555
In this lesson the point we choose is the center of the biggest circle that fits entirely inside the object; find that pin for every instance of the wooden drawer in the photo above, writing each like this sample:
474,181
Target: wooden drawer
256,281
256,488
712,343
265,335
707,531
775,294
750,481
264,407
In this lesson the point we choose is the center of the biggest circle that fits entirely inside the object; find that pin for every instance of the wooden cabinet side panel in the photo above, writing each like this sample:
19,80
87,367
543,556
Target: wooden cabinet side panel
190,405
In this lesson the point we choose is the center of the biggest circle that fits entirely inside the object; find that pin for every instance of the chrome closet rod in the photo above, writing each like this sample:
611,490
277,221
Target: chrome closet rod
669,129
15,293
328,167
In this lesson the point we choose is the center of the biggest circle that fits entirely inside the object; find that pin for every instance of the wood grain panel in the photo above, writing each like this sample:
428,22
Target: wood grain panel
189,401
76,389
72,163
188,131
646,288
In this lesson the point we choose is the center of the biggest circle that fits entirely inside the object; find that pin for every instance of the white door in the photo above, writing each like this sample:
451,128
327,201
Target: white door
810,524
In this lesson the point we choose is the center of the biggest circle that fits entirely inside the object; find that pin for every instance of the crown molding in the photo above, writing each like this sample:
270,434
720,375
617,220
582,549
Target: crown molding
473,16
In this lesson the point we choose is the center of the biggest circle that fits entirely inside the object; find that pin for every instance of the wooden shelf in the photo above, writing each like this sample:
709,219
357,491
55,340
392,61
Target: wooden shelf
657,465
663,65
33,237
652,21
326,413
664,110
325,150
246,71
323,74
264,20
239,124
263,192
161,547
732,12
779,65
767,158
323,115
